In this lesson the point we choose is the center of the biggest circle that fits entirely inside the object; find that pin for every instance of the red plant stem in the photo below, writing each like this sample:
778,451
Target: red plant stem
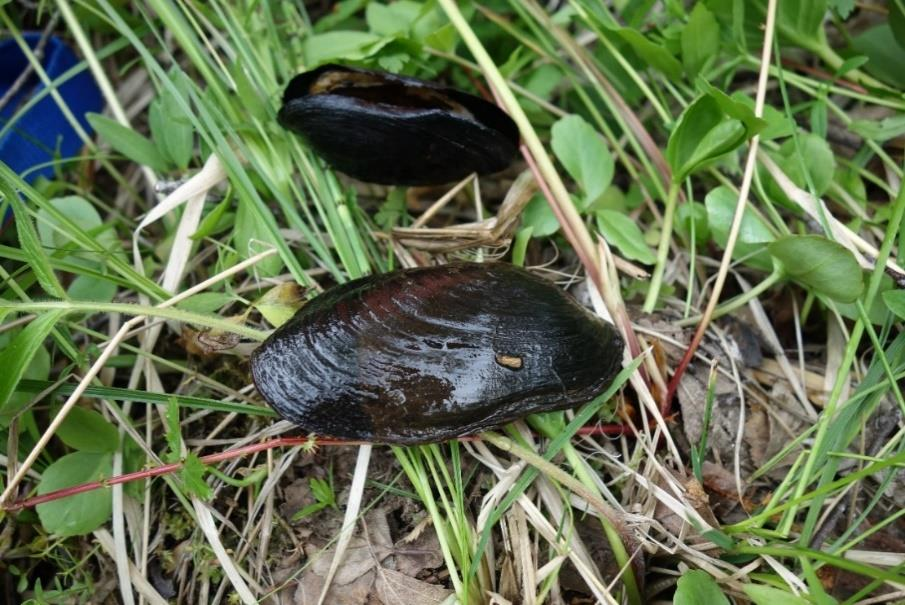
164,469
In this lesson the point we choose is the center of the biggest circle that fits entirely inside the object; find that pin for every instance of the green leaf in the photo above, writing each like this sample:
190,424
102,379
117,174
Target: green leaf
192,474
82,213
880,131
393,210
884,54
700,39
802,21
734,109
17,356
171,128
539,217
82,513
703,134
391,19
768,595
90,288
86,430
28,238
897,22
843,8
584,154
205,302
654,55
895,302
693,214
520,246
821,265
624,233
816,157
348,45
753,232
128,142
777,124
280,303
697,587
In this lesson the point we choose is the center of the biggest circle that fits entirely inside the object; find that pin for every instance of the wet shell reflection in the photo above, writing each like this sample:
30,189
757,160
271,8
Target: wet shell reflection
425,355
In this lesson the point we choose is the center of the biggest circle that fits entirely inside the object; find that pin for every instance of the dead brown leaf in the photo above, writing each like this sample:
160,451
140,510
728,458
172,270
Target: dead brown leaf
395,588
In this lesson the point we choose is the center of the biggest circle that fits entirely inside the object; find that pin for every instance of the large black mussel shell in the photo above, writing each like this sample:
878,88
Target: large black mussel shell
424,355
384,128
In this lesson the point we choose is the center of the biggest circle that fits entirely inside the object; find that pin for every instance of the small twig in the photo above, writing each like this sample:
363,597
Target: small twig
612,430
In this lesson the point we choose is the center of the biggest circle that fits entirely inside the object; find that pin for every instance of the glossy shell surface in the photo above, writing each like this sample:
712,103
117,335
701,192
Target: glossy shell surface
424,355
384,128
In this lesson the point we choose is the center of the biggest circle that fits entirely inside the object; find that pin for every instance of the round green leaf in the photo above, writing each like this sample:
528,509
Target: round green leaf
821,265
895,302
82,513
622,232
584,154
88,431
753,234
538,215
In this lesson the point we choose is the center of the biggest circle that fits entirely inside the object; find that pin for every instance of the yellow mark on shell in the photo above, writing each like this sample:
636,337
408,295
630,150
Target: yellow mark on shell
513,362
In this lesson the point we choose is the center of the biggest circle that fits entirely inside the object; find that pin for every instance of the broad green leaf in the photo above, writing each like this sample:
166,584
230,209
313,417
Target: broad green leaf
821,265
704,133
768,595
895,302
884,54
16,357
128,142
697,587
82,513
584,154
333,45
753,233
624,233
777,124
693,214
87,431
700,39
802,21
734,109
84,216
539,217
90,288
654,55
816,157
391,19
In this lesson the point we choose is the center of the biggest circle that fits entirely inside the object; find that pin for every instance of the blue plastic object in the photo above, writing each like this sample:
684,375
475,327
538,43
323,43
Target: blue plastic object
43,132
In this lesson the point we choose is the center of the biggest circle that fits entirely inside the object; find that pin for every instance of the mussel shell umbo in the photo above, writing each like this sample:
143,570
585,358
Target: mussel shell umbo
395,130
430,354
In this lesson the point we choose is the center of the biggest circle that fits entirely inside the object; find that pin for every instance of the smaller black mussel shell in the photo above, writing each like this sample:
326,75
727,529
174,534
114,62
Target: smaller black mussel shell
384,128
430,354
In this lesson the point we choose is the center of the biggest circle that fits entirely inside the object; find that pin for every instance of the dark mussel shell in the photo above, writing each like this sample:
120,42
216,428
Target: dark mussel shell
425,355
384,128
